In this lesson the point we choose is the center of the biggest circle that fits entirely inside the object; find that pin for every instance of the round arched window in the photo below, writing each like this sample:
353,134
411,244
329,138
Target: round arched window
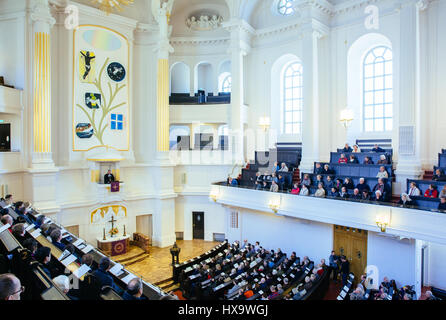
285,7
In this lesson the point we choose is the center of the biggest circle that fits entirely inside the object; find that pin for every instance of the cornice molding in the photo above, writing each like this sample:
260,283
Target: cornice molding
199,41
239,25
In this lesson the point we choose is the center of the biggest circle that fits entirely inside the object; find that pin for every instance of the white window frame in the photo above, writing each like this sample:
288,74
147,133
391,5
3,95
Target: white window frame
387,88
296,101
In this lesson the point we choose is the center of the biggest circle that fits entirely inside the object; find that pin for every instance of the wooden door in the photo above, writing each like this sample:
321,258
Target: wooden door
5,137
198,225
352,243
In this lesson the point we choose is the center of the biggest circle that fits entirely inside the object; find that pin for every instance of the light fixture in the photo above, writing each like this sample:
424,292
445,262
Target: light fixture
214,195
346,117
109,5
265,123
274,204
382,221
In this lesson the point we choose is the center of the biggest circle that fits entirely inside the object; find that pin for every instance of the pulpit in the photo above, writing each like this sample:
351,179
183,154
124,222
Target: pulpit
114,246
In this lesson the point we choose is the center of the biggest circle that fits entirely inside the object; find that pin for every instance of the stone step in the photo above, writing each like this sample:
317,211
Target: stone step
130,258
163,281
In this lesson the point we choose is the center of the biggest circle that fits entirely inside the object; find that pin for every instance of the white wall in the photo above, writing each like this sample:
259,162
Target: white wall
180,78
205,77
306,238
214,216
394,258
436,266
12,55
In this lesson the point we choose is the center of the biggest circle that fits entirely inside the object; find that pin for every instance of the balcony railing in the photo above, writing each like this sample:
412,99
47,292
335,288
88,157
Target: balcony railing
408,222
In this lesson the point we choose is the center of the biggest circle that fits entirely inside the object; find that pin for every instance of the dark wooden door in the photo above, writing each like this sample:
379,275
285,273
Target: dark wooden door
198,225
352,243
5,137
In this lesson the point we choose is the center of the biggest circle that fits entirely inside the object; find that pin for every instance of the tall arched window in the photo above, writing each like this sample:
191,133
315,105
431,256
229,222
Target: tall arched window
378,90
226,85
292,98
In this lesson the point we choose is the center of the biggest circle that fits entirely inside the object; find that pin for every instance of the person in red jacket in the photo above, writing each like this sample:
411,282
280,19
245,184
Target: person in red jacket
342,159
431,192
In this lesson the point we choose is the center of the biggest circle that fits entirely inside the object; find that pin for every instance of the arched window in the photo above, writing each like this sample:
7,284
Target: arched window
226,85
285,7
292,98
378,90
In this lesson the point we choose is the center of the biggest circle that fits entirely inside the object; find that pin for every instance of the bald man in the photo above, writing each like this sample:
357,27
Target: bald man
134,290
10,287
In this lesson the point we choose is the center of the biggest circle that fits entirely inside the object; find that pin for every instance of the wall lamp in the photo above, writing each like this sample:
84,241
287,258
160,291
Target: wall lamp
214,195
382,222
274,205
265,123
346,117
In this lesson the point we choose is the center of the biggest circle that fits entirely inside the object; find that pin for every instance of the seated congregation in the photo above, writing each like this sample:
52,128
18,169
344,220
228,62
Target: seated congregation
352,174
250,272
41,256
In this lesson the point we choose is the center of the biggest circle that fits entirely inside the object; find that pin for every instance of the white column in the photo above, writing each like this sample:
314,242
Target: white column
410,130
311,114
216,71
41,110
40,179
239,48
192,80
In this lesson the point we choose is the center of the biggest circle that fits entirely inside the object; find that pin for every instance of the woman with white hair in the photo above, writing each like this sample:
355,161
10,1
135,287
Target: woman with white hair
356,149
320,192
63,283
378,195
382,159
405,200
382,173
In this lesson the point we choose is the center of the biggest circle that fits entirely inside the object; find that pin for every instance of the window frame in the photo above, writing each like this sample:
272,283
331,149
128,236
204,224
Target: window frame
386,88
227,79
295,77
283,4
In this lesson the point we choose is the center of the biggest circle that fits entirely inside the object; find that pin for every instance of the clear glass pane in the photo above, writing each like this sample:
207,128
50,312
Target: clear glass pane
379,69
296,93
297,105
288,116
379,124
368,112
379,83
368,84
288,128
379,52
388,54
379,97
379,111
289,94
389,67
368,98
289,105
296,128
288,82
368,125
388,96
368,71
369,59
388,110
389,82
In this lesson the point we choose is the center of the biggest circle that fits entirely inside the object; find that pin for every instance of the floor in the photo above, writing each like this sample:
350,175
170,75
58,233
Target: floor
155,267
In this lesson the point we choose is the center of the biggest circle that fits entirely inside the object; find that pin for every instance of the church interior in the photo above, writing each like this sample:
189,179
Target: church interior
222,150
